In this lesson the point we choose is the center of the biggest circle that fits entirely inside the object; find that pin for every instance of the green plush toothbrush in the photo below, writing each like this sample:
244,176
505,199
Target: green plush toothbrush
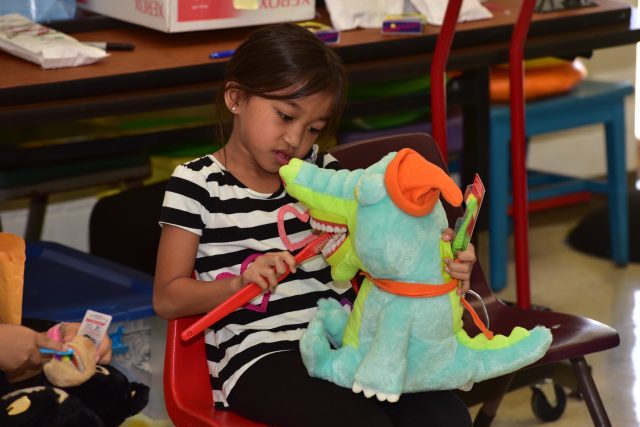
473,197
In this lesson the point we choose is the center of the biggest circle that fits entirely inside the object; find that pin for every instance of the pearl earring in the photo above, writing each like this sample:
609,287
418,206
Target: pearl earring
233,109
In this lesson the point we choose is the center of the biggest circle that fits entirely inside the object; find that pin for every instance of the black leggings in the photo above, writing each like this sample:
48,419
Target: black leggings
277,390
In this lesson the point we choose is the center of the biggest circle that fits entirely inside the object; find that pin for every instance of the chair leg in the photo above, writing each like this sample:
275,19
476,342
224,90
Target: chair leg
617,182
489,408
590,393
498,205
35,221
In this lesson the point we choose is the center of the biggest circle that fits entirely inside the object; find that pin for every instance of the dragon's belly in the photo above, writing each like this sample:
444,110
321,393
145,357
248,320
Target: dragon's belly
429,321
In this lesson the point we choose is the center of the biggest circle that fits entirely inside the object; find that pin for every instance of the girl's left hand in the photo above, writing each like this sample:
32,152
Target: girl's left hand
103,352
461,267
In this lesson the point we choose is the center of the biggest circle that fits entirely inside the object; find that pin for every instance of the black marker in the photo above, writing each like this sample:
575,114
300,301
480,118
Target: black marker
111,46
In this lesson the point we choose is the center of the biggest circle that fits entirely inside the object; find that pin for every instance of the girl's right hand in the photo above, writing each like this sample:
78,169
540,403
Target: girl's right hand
265,270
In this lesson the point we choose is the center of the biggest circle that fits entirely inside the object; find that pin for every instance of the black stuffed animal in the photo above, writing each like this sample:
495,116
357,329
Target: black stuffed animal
44,406
111,396
105,400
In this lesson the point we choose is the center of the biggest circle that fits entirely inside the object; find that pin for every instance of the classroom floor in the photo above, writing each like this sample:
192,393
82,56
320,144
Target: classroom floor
570,281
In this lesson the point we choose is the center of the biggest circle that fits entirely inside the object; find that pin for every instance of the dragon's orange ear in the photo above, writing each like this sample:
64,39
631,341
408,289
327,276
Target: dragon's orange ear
414,184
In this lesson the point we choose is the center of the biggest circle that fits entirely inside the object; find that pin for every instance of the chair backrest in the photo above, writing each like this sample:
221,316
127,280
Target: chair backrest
124,227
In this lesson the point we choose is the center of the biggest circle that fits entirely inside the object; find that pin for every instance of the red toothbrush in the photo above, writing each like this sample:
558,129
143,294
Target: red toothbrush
250,291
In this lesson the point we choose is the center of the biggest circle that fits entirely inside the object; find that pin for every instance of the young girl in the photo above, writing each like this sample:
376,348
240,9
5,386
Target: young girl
285,91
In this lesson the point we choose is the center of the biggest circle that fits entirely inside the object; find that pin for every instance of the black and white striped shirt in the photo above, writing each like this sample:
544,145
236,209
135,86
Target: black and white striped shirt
235,224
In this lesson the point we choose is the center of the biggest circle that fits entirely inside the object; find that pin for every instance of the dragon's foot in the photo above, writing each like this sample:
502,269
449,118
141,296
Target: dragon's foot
314,347
334,318
390,397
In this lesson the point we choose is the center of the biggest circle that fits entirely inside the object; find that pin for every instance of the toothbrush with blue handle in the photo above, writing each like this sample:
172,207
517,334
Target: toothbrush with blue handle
68,352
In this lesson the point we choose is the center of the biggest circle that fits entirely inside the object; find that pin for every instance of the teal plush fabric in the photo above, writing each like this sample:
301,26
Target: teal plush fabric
391,344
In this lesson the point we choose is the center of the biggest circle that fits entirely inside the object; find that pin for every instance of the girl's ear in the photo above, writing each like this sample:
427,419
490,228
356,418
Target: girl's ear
232,97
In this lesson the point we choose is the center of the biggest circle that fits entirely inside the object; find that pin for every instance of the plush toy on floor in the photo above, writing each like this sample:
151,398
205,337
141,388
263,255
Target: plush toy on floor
69,371
44,406
404,333
105,399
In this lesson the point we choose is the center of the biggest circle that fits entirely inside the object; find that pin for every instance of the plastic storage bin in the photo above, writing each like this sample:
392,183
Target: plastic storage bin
61,283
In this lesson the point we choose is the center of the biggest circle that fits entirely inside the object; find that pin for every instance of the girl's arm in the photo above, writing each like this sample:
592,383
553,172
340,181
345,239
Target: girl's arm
176,293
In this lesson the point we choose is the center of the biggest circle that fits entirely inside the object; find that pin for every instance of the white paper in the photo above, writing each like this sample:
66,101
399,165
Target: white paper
44,46
347,15
434,10
94,326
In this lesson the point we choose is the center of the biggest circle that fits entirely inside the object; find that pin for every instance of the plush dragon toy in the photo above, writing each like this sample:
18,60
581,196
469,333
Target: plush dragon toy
404,333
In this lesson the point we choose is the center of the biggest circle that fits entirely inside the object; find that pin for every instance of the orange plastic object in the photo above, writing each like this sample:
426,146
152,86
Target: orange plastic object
542,79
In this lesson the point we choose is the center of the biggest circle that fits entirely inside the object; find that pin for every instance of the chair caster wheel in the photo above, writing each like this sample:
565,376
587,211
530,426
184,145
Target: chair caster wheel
543,409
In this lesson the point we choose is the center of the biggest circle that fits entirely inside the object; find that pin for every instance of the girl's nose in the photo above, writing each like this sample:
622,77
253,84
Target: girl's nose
293,138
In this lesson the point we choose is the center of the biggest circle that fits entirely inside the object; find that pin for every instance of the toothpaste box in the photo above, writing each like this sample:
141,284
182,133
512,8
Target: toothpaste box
193,15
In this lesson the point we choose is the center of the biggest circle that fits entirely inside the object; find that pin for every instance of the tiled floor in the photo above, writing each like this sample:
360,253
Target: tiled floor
572,282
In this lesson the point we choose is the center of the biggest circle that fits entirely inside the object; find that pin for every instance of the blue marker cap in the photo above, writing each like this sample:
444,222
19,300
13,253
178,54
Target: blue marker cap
222,54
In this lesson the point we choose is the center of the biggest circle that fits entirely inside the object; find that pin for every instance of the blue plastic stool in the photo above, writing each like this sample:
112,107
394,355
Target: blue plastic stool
591,102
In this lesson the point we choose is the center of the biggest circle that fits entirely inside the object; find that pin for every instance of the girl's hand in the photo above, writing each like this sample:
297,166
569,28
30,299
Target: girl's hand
68,331
266,269
461,267
21,348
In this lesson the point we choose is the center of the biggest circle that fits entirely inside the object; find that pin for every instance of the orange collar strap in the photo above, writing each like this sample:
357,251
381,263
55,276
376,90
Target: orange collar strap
423,290
414,290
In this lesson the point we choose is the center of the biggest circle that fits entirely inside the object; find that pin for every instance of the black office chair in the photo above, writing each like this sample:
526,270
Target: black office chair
124,227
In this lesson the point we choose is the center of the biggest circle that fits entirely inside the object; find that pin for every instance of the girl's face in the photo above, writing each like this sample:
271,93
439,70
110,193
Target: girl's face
271,132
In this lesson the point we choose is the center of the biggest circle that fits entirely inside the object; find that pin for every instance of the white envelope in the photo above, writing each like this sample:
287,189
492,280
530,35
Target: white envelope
42,45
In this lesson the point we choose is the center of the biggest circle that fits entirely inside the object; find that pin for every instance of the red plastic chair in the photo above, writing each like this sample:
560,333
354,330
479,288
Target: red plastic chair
187,390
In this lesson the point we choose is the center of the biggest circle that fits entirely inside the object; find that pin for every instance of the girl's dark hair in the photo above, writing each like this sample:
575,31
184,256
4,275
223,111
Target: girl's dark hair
284,61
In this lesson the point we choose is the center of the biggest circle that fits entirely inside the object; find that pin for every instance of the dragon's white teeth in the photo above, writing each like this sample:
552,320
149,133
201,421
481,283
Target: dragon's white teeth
391,398
467,387
329,228
333,244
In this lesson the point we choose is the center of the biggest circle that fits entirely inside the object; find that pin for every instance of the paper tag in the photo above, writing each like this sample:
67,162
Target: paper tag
246,4
94,326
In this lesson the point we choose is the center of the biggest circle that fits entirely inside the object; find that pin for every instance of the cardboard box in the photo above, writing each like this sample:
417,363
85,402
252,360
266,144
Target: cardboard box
193,15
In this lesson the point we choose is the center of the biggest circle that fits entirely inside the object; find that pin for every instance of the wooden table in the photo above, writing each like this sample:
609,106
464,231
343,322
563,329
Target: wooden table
174,70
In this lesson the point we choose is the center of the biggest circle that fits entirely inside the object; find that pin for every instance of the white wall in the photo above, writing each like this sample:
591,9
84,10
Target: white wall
66,219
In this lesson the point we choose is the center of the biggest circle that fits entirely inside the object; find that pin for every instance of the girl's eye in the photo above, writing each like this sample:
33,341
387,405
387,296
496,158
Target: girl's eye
314,130
285,117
